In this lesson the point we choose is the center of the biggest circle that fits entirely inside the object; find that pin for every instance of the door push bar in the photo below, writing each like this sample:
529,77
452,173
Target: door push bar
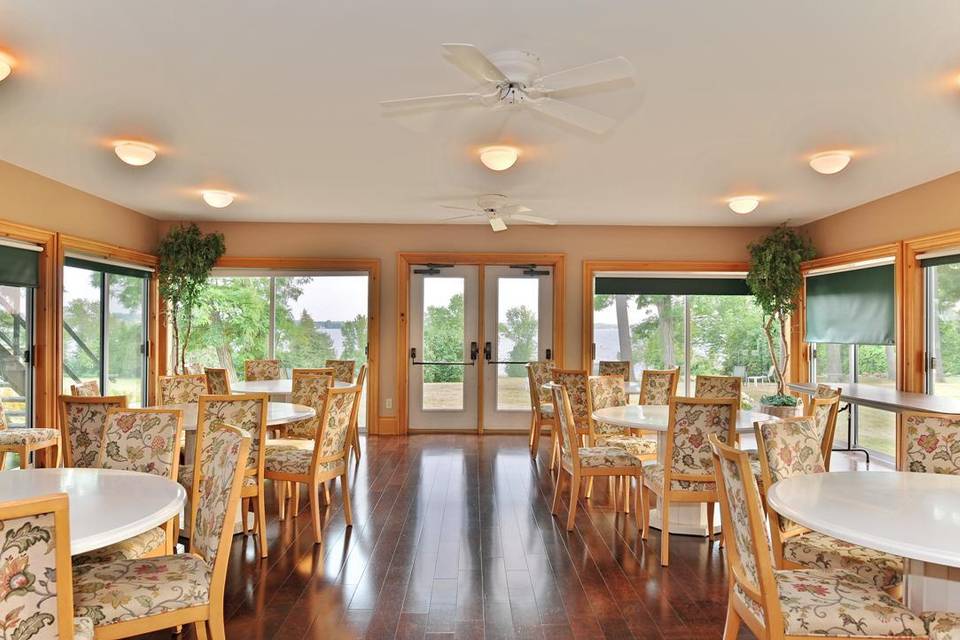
474,353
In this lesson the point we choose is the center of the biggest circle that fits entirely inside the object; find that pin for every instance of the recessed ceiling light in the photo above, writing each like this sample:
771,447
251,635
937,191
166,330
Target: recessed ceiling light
743,205
830,162
216,198
499,158
135,153
6,65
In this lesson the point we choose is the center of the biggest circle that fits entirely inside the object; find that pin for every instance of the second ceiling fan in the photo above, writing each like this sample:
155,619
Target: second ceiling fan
498,211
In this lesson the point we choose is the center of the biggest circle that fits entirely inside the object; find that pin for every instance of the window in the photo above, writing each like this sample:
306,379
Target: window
943,326
16,341
105,328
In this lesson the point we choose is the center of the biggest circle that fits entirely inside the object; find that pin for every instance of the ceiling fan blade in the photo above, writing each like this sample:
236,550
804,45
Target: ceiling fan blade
473,62
452,206
571,114
427,100
454,218
618,68
521,217
497,223
511,210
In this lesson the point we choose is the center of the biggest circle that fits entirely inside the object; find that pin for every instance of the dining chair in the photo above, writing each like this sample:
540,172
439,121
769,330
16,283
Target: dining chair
37,600
144,441
687,474
575,382
218,382
24,441
930,443
718,387
355,419
539,373
309,387
127,598
824,407
185,389
615,368
578,462
342,369
193,368
322,462
262,370
791,447
658,385
83,419
87,388
790,604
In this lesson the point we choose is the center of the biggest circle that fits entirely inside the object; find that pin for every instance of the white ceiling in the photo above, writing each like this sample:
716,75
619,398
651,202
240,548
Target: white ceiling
278,100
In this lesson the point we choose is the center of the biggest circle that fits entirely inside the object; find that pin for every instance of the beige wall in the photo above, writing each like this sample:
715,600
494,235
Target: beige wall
928,208
385,241
31,199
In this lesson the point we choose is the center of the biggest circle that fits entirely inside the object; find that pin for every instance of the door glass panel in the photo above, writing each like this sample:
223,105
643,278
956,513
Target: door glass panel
126,337
518,328
82,320
15,340
443,332
231,324
944,329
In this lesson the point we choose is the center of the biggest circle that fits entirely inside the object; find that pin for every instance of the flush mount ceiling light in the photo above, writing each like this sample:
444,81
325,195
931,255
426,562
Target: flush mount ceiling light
216,198
743,205
830,162
499,158
135,153
6,65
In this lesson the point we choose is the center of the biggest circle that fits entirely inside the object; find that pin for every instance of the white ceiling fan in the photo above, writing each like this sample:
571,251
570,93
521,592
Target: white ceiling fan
498,211
514,78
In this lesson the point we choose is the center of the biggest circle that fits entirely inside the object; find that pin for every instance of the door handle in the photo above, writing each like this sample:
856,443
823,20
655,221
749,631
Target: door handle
413,353
474,351
549,354
487,351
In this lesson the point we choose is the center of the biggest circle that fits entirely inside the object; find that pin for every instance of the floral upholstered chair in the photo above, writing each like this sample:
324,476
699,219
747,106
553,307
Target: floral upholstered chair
718,387
23,442
578,463
355,420
262,370
309,387
823,407
615,368
342,369
88,388
145,441
687,474
193,368
83,420
126,598
789,448
930,443
36,595
798,603
539,373
218,382
316,461
575,382
182,389
658,386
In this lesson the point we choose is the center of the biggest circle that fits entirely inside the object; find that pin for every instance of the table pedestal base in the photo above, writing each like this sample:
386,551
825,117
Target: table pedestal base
686,519
931,587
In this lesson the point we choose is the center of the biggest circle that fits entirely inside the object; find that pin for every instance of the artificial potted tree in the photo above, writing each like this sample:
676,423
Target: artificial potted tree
775,281
187,257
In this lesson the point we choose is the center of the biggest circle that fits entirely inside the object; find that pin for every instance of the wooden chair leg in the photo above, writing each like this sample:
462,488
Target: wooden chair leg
356,443
589,491
532,436
347,511
281,488
626,493
554,447
326,493
315,511
215,624
200,629
262,521
732,626
574,495
555,506
645,507
24,458
295,507
664,531
710,510
612,491
244,513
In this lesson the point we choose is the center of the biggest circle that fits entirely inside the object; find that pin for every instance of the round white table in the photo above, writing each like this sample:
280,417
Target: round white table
913,515
106,505
275,387
690,518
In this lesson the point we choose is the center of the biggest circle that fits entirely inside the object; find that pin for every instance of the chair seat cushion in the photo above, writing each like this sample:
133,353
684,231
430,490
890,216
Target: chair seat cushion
293,456
836,603
15,437
82,629
634,445
820,551
596,457
130,549
132,589
653,476
942,625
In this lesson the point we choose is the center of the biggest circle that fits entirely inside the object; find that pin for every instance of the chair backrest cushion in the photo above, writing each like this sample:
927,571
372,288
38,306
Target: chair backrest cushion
718,387
218,382
342,369
84,422
182,389
575,382
541,372
932,443
87,388
335,426
143,440
220,455
693,424
606,391
790,447
614,368
261,370
309,387
657,386
244,413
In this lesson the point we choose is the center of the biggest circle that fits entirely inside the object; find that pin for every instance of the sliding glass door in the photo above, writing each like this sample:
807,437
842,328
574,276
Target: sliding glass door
943,325
105,310
16,349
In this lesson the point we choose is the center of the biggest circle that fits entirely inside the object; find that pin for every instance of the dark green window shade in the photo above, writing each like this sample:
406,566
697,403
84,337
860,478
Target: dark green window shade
672,286
19,267
93,265
940,260
852,307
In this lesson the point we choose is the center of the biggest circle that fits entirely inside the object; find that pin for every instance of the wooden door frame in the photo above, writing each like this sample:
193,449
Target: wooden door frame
406,259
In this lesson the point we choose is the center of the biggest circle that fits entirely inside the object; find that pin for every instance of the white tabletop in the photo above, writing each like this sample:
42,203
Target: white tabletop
106,505
654,417
279,387
277,413
913,515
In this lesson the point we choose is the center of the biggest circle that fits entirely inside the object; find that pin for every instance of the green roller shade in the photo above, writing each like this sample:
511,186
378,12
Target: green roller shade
93,265
940,260
852,307
672,286
19,267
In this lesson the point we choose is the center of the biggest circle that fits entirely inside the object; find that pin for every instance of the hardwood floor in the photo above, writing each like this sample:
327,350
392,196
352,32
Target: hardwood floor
453,538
